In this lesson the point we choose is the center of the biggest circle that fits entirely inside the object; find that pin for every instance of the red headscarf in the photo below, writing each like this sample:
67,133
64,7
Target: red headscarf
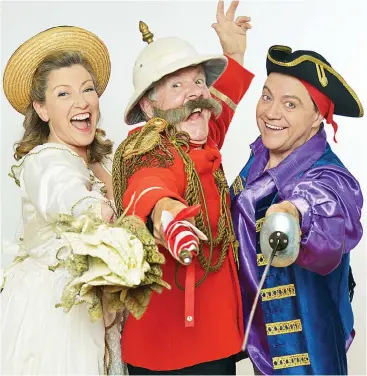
324,104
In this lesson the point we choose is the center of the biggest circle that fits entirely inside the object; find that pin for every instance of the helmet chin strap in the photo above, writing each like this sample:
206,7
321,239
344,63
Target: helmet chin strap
142,107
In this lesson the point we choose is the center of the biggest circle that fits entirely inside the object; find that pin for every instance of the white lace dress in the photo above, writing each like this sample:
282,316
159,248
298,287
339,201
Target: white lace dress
36,337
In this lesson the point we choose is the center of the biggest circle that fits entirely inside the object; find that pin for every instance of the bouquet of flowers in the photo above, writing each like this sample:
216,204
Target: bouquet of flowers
118,262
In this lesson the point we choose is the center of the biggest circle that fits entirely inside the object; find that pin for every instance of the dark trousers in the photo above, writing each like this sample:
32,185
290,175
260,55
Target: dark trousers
226,366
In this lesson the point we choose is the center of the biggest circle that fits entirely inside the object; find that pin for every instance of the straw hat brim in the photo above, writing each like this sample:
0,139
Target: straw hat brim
25,60
214,66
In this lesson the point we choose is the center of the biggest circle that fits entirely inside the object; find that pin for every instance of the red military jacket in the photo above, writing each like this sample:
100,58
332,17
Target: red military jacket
160,340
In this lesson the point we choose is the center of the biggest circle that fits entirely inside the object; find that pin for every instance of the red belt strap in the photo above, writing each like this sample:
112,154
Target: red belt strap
190,296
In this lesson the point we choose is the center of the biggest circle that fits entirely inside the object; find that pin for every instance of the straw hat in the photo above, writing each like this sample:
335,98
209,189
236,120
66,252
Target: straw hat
25,60
162,57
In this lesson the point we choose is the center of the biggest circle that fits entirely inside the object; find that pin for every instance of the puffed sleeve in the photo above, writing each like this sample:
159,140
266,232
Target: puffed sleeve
330,203
57,181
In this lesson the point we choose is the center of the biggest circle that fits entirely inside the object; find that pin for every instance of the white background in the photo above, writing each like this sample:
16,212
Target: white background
333,28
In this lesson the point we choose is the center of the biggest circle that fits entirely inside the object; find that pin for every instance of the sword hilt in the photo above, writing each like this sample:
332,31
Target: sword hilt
185,257
281,238
252,313
284,240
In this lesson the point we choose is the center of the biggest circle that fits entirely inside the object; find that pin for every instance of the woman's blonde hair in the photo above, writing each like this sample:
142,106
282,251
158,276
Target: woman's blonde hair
36,131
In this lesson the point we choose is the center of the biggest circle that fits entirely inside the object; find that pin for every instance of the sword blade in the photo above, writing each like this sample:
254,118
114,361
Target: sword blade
254,305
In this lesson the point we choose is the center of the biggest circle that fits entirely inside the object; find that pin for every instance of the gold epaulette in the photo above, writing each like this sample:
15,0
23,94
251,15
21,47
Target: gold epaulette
144,140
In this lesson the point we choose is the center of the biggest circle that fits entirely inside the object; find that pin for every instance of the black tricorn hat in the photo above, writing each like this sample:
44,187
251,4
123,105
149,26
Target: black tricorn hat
315,69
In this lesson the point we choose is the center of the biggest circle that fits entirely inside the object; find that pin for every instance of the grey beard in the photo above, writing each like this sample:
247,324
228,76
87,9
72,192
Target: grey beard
178,115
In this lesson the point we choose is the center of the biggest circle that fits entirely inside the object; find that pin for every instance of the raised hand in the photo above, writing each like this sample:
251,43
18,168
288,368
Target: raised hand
231,32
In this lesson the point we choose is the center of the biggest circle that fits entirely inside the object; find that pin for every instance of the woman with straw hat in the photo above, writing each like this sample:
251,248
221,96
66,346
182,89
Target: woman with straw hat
63,168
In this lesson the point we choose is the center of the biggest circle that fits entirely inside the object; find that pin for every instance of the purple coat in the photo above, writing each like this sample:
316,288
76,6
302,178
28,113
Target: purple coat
329,200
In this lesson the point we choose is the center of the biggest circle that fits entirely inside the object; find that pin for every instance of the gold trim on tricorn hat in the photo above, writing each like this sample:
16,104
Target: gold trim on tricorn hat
314,68
26,59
